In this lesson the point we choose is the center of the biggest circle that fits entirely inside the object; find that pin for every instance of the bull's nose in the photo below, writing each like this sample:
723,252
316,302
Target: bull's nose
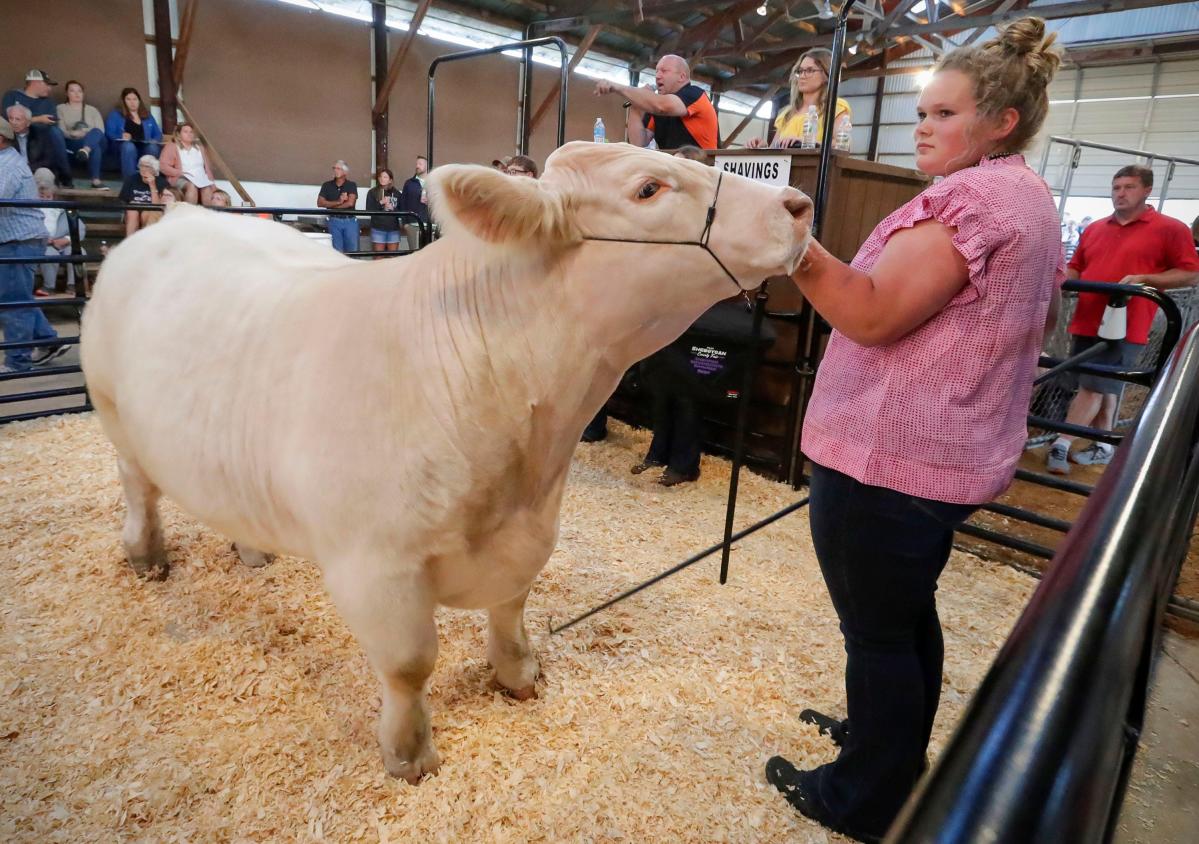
798,205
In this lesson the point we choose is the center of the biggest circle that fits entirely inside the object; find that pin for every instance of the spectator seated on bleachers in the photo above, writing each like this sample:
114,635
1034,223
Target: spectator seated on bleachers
83,128
184,162
43,122
58,237
34,148
145,187
132,132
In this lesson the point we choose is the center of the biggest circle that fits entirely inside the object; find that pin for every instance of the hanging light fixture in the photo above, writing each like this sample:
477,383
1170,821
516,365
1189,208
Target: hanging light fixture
762,10
826,11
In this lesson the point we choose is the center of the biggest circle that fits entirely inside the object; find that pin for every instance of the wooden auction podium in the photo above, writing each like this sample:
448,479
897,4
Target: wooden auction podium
860,195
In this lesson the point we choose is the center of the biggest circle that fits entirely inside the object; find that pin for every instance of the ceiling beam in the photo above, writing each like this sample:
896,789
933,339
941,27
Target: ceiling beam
1052,11
397,61
905,46
761,71
637,12
753,111
704,32
187,25
954,23
898,10
581,51
977,33
1122,53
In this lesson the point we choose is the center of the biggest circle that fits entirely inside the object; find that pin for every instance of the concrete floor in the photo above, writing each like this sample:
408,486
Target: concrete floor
1162,804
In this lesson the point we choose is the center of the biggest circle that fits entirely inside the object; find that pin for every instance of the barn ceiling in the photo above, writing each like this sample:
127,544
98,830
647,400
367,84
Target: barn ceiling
749,45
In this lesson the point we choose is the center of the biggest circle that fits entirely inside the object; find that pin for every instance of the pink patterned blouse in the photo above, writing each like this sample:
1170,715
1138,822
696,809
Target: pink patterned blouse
940,413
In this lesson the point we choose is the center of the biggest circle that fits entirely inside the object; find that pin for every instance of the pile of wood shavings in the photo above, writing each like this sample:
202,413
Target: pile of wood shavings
231,704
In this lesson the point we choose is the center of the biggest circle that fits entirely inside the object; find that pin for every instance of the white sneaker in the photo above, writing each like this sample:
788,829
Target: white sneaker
1093,455
1058,461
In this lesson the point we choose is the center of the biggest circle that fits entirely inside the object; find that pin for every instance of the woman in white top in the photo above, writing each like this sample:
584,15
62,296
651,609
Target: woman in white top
83,128
185,164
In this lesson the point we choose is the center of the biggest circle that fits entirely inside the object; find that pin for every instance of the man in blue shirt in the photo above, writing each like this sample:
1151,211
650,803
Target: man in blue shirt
44,121
22,235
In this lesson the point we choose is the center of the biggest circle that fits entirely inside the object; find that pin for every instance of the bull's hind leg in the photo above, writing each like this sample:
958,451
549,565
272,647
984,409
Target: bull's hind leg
142,534
508,648
391,614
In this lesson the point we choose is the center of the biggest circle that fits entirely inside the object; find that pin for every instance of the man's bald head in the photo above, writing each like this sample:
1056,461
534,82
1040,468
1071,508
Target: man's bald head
671,74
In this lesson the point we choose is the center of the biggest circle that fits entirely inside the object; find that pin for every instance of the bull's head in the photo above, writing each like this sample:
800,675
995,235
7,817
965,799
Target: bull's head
622,192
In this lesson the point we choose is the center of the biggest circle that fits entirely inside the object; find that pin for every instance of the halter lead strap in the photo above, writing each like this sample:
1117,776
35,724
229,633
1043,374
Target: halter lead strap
702,243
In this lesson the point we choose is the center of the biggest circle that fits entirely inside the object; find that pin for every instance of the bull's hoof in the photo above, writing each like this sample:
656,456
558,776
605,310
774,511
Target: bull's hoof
529,692
426,762
252,557
150,566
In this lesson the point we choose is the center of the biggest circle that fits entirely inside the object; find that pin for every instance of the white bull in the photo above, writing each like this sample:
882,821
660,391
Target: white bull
408,424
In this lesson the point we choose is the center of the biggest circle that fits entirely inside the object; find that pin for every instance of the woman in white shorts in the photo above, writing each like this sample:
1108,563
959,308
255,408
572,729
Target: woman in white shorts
185,164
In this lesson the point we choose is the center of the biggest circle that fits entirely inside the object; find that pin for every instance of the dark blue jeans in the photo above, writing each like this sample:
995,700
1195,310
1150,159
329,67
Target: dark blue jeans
16,285
94,141
58,146
128,152
881,552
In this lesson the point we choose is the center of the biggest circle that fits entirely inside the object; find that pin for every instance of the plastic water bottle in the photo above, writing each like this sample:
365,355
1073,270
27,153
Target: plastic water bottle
811,123
843,140
598,134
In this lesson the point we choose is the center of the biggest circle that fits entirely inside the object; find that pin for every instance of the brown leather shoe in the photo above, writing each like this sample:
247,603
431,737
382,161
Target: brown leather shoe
643,466
673,478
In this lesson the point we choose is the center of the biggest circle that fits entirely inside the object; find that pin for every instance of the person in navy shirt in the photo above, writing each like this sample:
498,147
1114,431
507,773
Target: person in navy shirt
340,193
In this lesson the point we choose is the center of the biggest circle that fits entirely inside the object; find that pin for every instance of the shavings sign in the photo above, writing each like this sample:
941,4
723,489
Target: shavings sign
771,169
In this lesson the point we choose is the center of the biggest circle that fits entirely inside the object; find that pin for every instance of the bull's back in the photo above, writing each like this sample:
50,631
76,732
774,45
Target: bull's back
188,344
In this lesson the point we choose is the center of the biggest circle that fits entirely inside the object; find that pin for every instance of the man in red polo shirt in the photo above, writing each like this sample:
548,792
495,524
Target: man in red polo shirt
1135,245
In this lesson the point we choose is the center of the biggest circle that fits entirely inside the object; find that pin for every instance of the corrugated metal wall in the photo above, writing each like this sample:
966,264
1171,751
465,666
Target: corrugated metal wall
1152,106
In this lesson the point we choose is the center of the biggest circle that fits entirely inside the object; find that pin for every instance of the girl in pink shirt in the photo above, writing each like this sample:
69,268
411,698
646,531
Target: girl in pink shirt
918,413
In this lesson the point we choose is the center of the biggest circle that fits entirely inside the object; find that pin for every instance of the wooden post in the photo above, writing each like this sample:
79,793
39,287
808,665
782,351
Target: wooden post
584,46
397,61
166,65
214,155
380,118
741,126
187,23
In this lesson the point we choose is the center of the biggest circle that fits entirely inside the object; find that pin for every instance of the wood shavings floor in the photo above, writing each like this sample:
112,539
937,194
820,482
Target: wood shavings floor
231,704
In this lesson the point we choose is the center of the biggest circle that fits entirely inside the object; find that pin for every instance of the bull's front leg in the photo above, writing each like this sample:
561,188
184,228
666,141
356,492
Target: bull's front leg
390,611
508,648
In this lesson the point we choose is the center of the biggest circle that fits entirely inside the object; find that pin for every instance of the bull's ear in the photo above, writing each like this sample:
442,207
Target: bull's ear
499,208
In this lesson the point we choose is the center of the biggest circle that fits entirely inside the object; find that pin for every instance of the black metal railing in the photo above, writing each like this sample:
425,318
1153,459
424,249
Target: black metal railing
1077,364
526,46
1044,749
60,385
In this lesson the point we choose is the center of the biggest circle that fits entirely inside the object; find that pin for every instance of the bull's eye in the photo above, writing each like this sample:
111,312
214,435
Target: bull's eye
647,190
